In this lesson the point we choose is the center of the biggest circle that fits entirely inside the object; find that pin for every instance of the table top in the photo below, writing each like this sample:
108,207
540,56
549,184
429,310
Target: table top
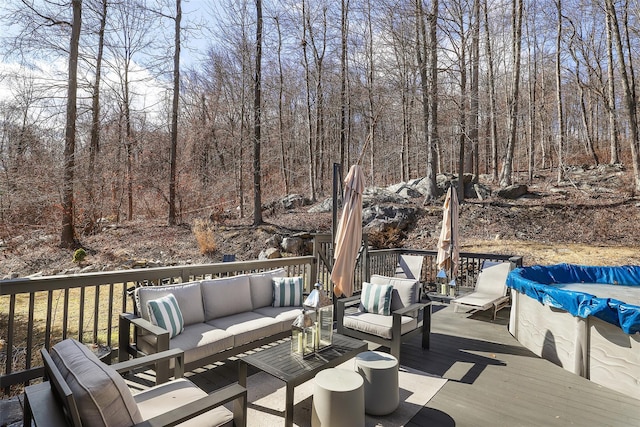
281,363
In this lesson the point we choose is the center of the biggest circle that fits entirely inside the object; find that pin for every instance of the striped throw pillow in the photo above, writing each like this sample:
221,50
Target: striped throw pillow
376,298
165,312
287,291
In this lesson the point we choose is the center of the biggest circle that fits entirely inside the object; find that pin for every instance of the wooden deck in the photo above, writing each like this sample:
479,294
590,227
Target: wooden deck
492,380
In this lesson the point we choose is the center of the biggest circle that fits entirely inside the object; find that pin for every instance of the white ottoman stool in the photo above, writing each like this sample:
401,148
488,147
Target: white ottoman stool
338,399
380,373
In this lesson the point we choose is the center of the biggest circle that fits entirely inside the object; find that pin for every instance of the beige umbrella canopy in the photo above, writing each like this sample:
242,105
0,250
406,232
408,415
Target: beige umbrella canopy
449,243
348,234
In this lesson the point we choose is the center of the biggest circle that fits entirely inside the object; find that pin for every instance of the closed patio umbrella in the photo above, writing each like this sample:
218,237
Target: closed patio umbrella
449,243
348,234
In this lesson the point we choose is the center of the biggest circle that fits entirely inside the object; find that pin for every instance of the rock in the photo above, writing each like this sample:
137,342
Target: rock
377,195
292,245
381,218
293,201
324,206
270,253
274,241
513,191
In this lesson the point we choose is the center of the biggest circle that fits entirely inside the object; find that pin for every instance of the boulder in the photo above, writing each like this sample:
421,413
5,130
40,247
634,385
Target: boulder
292,245
270,253
274,241
383,217
513,191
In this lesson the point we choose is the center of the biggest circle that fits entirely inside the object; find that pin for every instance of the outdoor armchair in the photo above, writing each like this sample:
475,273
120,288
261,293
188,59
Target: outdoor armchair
406,317
82,391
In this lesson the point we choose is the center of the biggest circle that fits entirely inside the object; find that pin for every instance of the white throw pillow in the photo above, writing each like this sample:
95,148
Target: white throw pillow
287,291
165,312
376,299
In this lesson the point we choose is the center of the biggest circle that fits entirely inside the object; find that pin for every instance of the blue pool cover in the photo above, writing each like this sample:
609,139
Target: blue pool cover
537,282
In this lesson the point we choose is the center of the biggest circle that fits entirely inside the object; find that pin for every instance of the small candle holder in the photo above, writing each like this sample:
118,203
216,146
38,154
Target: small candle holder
322,307
303,335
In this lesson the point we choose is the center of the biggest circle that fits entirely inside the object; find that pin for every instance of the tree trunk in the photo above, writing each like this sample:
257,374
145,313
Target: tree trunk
257,113
492,99
614,142
562,133
628,100
94,145
507,166
67,235
173,160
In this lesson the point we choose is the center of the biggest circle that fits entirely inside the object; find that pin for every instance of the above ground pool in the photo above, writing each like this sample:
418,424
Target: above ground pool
585,319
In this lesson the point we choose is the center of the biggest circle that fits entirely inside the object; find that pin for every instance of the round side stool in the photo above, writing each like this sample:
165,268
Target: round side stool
380,373
338,399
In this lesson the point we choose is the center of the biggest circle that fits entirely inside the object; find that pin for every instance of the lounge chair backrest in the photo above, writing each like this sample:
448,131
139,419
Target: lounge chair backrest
410,266
493,279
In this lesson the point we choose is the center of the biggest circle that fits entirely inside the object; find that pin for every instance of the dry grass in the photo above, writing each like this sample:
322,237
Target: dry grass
205,232
555,253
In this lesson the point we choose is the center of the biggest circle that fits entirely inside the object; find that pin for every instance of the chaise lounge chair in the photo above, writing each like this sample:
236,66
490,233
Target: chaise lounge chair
490,290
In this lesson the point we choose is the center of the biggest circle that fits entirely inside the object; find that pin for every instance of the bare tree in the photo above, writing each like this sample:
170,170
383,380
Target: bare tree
492,98
507,165
173,159
257,113
628,91
426,51
562,132
67,235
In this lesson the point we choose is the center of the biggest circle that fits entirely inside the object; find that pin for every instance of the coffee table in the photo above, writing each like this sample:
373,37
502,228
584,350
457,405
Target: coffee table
279,362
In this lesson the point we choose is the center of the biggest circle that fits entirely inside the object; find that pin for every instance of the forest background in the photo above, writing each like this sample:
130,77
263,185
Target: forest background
129,111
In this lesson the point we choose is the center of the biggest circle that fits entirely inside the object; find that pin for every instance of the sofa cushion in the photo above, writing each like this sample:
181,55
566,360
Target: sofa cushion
164,312
171,396
283,315
262,287
226,296
376,299
287,291
197,341
377,324
188,295
405,291
247,327
101,394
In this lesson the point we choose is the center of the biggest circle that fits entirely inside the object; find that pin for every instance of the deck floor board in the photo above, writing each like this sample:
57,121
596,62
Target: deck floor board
492,380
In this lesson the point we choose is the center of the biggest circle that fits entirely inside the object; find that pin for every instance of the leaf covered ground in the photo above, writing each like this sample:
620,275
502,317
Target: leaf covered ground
591,218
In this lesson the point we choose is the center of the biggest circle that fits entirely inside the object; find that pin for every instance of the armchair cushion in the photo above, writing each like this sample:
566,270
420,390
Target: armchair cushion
102,396
165,312
376,299
405,291
175,394
287,291
375,324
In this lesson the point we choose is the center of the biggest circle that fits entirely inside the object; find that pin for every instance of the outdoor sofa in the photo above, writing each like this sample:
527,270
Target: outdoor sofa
220,317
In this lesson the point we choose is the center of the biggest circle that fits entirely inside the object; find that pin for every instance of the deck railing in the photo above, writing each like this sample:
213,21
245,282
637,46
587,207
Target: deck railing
41,311
38,312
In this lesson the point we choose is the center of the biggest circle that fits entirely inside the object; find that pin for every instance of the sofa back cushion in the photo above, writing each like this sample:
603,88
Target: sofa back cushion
262,288
226,296
101,394
405,291
188,295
